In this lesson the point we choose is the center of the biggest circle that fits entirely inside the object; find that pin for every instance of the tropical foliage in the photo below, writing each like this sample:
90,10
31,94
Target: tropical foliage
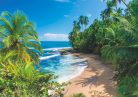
19,56
115,38
19,36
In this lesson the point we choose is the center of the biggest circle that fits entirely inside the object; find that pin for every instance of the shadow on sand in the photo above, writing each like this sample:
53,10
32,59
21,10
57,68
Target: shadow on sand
100,82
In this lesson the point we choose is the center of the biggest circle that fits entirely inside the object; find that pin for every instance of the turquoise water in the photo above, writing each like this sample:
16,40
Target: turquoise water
55,44
60,65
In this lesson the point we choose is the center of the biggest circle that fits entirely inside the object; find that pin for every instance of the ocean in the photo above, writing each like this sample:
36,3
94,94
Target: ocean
61,65
55,44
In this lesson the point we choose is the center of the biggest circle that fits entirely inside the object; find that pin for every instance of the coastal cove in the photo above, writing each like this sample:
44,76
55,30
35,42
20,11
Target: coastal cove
90,75
65,67
69,48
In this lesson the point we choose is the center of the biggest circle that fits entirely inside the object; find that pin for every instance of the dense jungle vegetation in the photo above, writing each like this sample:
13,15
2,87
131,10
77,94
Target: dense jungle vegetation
115,38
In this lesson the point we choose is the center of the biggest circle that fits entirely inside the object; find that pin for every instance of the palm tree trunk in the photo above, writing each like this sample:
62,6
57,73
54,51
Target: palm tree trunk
125,4
82,27
129,9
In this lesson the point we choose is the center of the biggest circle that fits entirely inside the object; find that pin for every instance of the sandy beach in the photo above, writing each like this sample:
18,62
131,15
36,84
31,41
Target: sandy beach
95,81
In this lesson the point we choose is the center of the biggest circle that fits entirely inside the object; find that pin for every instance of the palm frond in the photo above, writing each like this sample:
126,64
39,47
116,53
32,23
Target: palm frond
6,24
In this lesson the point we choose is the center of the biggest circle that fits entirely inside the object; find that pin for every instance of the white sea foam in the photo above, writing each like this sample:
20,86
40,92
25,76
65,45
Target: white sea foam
48,57
64,78
55,49
70,67
78,65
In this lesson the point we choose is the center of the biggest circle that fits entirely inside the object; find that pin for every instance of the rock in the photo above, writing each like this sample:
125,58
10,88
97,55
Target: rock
65,51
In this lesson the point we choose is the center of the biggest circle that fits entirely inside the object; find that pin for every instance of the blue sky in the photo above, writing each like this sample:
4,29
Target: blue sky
53,18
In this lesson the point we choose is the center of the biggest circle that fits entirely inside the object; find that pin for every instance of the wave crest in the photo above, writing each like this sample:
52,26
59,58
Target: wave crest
49,57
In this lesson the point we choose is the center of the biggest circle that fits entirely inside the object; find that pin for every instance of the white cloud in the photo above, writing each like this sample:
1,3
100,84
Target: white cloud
62,1
66,16
55,37
89,15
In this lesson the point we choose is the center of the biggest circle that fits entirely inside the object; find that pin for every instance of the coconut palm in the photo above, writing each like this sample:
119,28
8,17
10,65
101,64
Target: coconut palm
109,8
86,21
108,11
18,36
119,11
74,35
83,20
117,1
124,2
103,15
76,25
19,52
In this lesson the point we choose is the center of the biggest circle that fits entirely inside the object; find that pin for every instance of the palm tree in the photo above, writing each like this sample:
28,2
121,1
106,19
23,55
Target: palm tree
103,15
117,1
83,20
76,25
123,1
109,8
19,38
119,11
86,21
108,11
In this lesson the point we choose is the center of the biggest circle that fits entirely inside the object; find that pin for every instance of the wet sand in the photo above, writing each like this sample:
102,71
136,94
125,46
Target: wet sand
95,81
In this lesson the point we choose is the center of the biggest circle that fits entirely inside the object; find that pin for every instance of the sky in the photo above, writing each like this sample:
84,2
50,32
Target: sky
54,18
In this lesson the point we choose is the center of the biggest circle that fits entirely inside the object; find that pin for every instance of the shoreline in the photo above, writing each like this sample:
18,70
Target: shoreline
94,81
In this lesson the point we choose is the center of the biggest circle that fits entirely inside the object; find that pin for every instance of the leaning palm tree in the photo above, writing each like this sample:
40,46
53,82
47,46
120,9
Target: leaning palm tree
119,1
19,38
123,1
124,55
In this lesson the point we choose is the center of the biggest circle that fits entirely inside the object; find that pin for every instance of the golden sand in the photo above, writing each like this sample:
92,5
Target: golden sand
95,81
